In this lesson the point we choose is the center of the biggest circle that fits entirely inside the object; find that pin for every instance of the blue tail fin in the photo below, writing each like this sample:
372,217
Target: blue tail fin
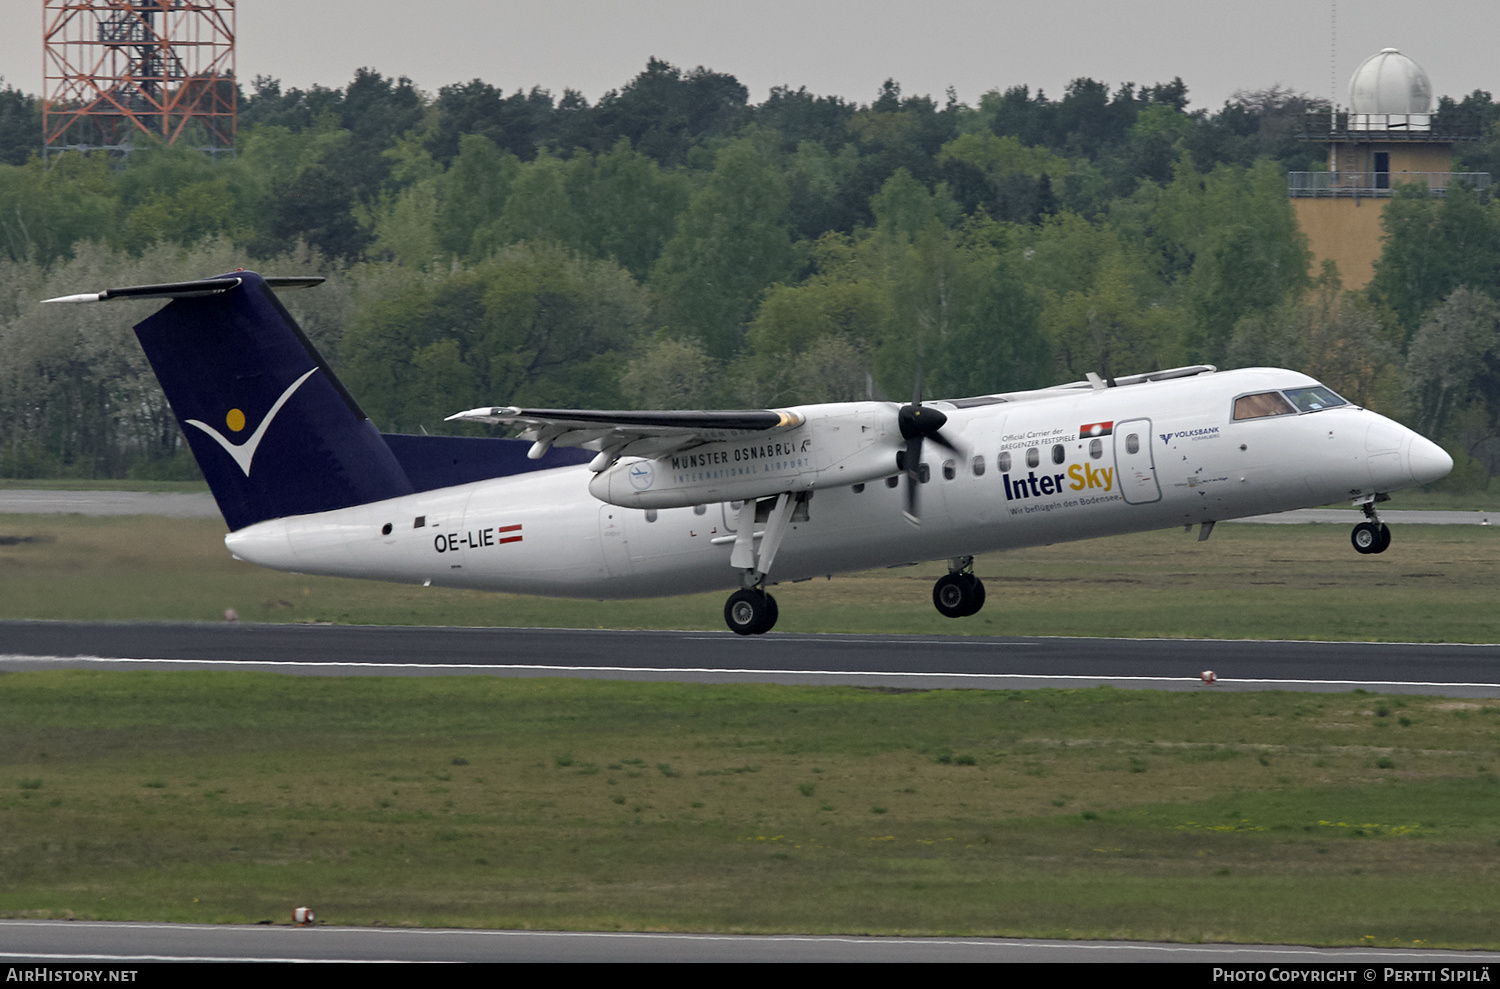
274,431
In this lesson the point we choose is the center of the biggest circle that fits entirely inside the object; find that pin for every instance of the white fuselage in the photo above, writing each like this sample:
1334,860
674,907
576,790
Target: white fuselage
1174,455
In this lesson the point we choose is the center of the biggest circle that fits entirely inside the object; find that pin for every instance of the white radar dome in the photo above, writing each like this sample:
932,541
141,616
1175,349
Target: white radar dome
1389,83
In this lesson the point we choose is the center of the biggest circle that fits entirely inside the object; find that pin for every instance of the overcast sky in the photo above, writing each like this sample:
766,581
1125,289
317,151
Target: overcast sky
846,49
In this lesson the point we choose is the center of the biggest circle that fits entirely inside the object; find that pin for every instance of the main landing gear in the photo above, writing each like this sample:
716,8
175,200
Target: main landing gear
750,611
1372,536
959,593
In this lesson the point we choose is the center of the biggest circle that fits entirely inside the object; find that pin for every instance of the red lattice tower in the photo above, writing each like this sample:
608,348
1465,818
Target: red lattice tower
112,67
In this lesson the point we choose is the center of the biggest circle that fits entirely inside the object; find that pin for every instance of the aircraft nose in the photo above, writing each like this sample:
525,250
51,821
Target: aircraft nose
1428,461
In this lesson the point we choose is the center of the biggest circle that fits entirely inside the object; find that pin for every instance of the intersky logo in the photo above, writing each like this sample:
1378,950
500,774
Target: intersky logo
244,452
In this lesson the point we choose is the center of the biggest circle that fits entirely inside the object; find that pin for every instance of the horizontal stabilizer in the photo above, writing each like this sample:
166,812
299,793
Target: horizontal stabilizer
198,289
433,462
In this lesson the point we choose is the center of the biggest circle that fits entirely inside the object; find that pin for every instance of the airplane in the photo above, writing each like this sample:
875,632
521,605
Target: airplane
627,504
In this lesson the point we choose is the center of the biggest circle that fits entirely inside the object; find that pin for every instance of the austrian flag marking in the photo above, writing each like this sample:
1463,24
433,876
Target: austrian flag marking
1091,429
509,539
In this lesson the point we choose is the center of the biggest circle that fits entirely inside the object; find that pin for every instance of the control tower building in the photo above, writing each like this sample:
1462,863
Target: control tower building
1388,137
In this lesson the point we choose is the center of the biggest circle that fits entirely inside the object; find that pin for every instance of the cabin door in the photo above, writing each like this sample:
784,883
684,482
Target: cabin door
612,542
1134,465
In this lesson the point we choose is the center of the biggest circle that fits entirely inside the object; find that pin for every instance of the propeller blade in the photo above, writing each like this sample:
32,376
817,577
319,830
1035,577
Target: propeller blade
913,464
942,440
916,424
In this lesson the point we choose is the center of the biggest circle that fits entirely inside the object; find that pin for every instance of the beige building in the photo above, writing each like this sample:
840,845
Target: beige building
1387,138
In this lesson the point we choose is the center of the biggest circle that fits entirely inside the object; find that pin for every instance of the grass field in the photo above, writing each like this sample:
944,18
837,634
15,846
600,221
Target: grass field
1322,819
1270,817
1436,583
72,484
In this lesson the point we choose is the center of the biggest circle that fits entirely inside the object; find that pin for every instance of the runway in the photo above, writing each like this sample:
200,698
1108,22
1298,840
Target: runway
81,944
911,661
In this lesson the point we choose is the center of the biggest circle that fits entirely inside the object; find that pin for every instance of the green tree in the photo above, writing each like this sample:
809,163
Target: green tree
670,373
46,208
472,194
1228,241
1433,246
628,206
1453,360
534,324
1337,337
731,243
539,207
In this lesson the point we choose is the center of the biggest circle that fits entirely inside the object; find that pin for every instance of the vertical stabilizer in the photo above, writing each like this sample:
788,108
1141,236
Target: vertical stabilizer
274,431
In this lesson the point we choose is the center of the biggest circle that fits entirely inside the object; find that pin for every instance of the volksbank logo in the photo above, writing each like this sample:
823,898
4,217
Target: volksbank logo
1207,433
244,453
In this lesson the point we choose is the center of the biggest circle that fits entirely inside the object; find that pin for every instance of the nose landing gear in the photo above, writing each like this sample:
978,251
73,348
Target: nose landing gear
1372,536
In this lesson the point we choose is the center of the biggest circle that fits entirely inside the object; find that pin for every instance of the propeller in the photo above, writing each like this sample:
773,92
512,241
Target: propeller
916,424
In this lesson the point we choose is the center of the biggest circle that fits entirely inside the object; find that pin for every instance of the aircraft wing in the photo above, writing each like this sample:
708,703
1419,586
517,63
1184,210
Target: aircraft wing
630,434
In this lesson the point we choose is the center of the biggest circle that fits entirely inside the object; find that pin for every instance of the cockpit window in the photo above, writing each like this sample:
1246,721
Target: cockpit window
1269,403
1314,398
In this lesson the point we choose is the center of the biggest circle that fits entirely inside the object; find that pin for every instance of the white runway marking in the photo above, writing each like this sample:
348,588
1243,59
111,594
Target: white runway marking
1061,678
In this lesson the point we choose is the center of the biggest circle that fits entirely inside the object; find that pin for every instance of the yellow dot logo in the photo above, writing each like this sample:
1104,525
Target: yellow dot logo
235,420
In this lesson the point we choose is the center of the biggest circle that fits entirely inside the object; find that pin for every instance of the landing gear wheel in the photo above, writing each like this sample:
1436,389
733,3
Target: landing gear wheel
750,612
1371,537
958,595
978,594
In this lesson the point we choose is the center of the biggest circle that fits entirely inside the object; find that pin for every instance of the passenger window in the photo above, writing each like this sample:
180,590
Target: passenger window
859,487
977,466
1002,462
1269,403
1096,448
699,509
892,481
1058,454
1133,443
1033,458
950,470
650,515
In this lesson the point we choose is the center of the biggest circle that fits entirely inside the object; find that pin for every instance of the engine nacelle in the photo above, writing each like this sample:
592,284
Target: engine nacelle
835,445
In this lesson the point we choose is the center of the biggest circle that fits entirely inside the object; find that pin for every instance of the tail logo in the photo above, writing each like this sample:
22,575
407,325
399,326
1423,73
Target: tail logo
244,452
